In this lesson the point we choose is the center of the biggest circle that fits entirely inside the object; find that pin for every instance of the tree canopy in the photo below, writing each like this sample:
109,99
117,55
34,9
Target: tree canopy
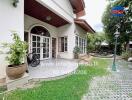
94,41
125,22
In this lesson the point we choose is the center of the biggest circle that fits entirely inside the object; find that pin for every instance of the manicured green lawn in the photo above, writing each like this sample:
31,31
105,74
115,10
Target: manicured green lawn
70,88
1,97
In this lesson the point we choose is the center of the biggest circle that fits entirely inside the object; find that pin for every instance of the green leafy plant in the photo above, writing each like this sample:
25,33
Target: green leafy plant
76,50
17,50
94,41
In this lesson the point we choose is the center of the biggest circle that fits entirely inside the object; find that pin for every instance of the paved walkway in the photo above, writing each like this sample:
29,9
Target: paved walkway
117,86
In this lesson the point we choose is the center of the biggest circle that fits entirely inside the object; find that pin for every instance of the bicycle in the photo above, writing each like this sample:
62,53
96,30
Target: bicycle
33,59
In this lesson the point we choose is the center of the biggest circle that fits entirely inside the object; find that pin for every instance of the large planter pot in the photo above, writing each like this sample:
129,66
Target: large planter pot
76,56
16,71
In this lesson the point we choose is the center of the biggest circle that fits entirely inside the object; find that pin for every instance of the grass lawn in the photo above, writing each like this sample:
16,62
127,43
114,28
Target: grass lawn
72,87
2,89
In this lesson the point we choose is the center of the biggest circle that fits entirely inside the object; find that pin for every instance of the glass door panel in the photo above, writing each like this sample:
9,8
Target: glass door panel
36,44
45,47
40,46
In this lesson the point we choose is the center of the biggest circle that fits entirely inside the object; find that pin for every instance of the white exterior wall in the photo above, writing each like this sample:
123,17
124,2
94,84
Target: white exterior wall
80,32
60,7
66,6
11,19
30,22
64,9
68,30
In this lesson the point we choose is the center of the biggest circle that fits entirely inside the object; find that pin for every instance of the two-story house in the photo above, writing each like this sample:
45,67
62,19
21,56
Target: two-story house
52,28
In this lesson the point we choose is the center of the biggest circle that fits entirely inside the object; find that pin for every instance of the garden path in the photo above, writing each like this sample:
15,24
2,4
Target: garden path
116,86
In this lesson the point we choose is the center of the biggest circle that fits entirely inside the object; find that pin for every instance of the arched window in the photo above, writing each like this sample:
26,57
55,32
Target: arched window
39,30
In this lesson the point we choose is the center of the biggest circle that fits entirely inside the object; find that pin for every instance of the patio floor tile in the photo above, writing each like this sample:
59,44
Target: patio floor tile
53,68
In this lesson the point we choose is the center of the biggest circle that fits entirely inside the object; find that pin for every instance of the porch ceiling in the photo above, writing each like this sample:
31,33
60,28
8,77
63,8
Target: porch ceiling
82,23
36,10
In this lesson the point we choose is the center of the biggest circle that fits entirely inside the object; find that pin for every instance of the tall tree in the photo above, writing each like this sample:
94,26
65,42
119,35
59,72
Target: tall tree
125,22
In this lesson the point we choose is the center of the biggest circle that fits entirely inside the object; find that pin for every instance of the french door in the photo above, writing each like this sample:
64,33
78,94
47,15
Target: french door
40,46
45,47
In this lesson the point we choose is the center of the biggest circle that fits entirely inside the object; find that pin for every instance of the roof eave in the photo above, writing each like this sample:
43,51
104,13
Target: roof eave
78,7
82,23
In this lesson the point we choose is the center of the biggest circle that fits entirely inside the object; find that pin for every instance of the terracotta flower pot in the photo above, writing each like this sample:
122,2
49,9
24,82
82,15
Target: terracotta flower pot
16,71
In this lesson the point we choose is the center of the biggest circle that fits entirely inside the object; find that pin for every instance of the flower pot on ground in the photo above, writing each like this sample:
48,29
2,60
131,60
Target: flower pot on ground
16,55
16,71
76,52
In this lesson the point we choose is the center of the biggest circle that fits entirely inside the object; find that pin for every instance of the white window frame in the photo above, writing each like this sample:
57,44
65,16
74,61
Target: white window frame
65,44
41,48
82,43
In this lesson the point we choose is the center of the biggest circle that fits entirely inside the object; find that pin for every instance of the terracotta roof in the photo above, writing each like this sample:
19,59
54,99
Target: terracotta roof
78,7
82,23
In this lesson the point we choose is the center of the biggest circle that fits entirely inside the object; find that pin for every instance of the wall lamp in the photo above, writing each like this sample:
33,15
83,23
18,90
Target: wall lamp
15,2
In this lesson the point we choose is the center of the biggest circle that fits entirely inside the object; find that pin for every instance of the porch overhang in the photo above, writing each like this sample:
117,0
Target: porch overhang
37,10
82,23
78,7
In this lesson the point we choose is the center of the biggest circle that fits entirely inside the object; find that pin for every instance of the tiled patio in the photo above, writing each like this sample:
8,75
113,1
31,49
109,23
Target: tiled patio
52,68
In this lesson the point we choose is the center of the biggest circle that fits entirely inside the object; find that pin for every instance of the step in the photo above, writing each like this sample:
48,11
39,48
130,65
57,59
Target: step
17,83
2,81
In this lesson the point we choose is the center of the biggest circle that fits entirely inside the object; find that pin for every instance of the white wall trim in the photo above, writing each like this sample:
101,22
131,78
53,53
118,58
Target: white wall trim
45,5
62,8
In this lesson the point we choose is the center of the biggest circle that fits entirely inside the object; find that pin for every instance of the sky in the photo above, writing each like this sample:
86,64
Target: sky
94,11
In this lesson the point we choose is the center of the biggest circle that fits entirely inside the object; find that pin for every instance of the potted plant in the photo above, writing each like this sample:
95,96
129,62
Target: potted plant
16,56
76,52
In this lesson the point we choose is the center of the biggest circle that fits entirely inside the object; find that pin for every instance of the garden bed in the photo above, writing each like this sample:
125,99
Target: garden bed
102,55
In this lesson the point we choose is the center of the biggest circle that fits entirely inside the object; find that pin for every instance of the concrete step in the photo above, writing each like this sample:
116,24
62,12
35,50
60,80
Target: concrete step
17,83
2,81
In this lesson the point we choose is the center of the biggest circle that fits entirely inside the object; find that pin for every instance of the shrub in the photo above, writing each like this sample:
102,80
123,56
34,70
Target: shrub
76,50
126,55
17,50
